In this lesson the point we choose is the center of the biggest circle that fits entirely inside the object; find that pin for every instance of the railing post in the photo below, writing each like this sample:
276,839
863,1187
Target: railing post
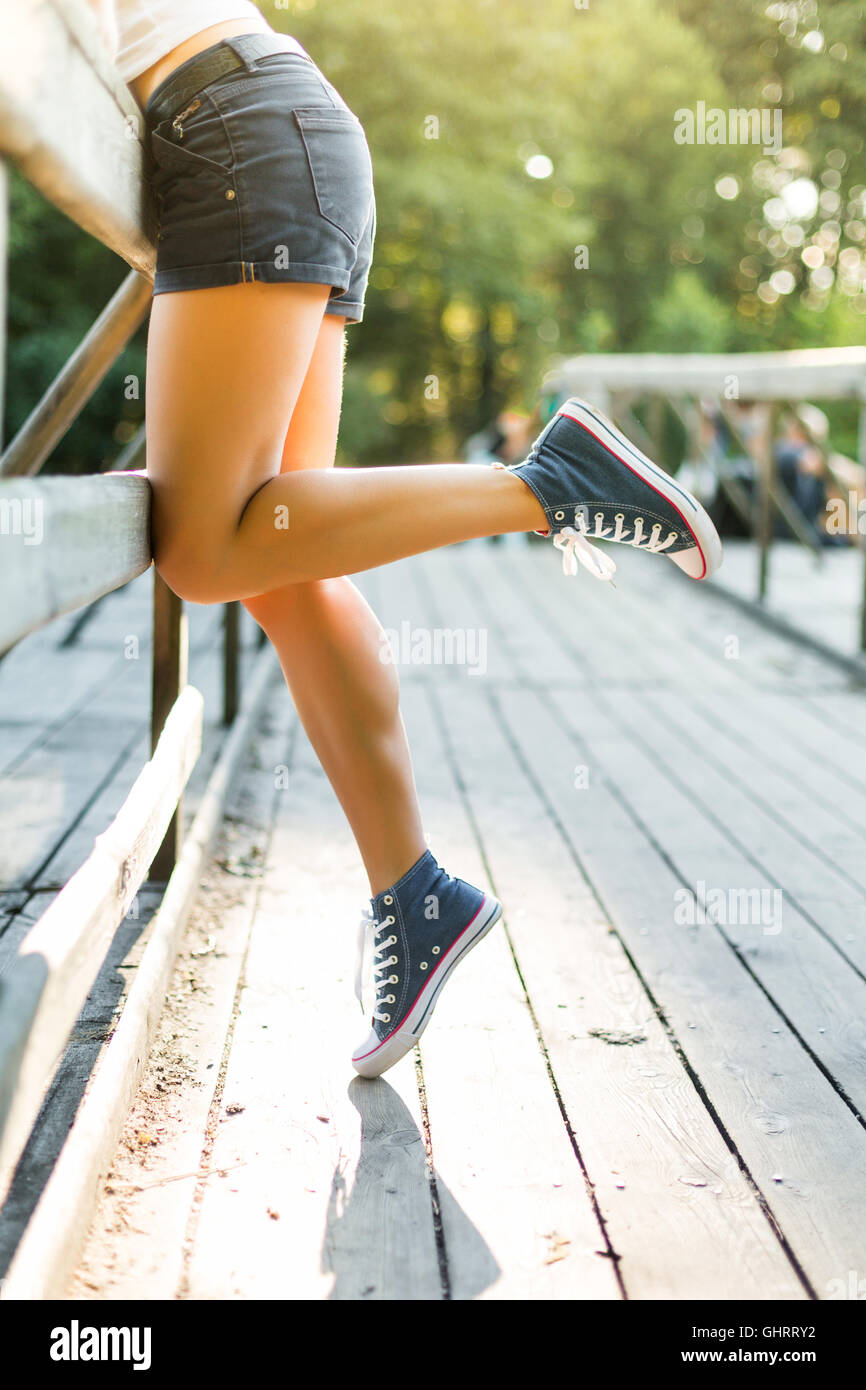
764,498
655,426
861,537
231,655
4,240
169,679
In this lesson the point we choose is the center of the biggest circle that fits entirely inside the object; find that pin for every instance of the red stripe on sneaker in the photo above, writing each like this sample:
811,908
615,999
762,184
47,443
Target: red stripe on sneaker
657,490
426,985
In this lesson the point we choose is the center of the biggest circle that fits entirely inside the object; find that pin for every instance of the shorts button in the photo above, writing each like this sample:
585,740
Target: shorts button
230,193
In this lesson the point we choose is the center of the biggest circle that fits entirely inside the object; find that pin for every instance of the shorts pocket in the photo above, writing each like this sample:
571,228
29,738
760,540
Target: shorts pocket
196,200
169,155
340,166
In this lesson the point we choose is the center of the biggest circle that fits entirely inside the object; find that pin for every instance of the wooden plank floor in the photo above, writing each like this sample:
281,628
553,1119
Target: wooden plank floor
617,1097
821,595
74,734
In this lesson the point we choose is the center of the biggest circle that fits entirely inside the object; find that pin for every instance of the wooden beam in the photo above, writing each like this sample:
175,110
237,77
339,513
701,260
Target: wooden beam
72,127
4,261
765,477
78,379
43,991
66,541
231,660
861,456
168,679
811,374
50,1244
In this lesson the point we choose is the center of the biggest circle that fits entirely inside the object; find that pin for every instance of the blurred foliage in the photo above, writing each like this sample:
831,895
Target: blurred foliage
59,281
532,201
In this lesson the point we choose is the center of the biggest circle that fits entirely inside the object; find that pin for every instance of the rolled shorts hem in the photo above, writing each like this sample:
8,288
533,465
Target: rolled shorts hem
208,277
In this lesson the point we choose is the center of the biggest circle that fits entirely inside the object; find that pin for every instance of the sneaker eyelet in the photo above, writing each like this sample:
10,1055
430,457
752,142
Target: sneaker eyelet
558,516
620,516
392,960
436,950
386,1018
393,980
423,965
388,901
389,999
392,941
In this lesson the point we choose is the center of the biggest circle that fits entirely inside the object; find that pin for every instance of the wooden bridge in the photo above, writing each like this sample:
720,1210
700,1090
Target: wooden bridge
649,1083
619,1095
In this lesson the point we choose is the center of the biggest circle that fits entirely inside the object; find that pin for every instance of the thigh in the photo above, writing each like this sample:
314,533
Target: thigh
225,372
311,440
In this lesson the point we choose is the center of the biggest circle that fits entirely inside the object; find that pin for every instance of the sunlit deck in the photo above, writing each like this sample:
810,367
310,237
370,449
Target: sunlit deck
617,1097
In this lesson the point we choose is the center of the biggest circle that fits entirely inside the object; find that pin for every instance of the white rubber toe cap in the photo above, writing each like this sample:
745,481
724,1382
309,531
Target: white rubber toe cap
691,562
374,1056
699,562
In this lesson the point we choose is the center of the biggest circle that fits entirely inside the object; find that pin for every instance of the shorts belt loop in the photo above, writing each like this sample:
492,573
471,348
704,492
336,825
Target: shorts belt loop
240,46
250,48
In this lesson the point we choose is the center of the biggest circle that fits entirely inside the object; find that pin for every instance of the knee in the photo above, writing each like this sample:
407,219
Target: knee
191,576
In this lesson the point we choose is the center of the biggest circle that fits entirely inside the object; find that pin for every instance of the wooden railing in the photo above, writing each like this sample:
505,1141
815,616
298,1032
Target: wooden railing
774,380
71,127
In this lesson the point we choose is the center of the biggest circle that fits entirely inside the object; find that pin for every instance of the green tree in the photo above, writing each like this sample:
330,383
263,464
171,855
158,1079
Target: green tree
532,199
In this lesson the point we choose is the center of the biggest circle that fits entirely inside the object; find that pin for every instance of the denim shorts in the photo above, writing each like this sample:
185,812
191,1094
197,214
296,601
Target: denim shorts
264,175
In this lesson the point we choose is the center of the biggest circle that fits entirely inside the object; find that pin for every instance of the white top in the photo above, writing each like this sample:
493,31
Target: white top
143,31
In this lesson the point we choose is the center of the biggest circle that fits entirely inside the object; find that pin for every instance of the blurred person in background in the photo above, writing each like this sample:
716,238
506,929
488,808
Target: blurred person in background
801,472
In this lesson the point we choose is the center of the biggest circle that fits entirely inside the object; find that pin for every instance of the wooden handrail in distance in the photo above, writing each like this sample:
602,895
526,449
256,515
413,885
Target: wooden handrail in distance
809,374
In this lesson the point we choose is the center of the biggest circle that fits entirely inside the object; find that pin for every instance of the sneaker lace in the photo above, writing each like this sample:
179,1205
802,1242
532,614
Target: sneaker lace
575,547
370,965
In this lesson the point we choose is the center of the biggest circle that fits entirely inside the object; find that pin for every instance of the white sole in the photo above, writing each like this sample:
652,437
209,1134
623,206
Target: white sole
404,1039
695,518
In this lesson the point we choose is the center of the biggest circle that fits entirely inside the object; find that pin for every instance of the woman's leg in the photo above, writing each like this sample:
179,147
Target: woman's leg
329,643
225,370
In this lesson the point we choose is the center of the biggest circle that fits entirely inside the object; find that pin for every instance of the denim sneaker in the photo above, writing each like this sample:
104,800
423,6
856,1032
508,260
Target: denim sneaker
416,934
595,485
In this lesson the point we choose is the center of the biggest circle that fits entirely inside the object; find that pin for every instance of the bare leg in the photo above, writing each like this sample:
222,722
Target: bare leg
225,369
329,643
350,520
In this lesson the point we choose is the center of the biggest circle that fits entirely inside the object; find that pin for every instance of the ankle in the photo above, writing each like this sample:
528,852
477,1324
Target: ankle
522,502
389,872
